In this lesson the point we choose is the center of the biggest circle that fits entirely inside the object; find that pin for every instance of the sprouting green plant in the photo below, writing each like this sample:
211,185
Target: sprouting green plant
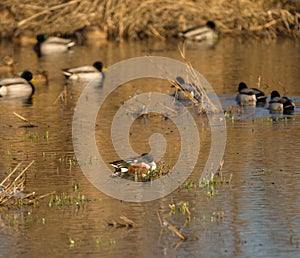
98,241
112,242
71,242
75,186
34,136
182,207
46,136
67,200
189,184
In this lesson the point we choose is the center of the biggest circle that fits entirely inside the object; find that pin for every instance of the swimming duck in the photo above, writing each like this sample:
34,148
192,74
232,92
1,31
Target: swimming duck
17,87
186,88
143,163
84,72
7,64
201,33
250,96
24,37
279,104
91,35
50,45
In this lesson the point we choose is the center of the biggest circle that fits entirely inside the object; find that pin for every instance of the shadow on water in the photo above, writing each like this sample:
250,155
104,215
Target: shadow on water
256,215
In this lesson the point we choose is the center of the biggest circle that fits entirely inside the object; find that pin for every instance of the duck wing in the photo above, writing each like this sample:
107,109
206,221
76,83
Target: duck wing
12,81
247,91
82,69
287,103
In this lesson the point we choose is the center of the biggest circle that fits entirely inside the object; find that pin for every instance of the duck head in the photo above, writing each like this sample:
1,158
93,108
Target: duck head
211,24
27,75
275,94
41,38
242,86
147,157
98,65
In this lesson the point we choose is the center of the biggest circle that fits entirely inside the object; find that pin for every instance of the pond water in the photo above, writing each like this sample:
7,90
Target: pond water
256,214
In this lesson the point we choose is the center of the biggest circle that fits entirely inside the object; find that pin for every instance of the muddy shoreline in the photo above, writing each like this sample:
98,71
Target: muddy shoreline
117,20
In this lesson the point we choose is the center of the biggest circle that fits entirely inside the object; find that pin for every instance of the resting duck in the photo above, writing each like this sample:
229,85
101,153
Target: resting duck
84,72
250,96
142,164
187,88
279,104
50,45
17,87
24,37
7,64
207,32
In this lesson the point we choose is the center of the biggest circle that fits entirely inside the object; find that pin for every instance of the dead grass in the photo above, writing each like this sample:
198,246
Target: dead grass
12,189
151,18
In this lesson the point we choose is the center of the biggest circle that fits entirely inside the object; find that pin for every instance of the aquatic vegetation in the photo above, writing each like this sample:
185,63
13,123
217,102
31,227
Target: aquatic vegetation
189,184
64,199
69,160
12,189
181,207
93,241
163,19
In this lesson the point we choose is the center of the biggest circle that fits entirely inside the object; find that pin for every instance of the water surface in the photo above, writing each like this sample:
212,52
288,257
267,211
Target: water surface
261,204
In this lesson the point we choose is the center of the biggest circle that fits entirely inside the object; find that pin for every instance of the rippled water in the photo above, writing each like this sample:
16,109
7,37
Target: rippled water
260,205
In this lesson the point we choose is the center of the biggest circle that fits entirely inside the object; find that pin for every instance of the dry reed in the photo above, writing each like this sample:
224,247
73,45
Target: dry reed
11,189
151,18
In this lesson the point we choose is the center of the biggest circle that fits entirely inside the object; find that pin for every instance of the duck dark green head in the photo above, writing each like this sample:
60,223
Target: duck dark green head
211,24
27,75
275,94
180,80
242,86
98,65
41,38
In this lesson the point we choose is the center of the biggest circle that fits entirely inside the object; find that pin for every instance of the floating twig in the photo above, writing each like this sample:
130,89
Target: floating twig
24,120
176,231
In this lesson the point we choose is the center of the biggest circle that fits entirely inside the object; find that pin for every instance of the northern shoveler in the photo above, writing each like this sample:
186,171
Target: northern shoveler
250,96
17,87
140,164
50,45
279,104
83,72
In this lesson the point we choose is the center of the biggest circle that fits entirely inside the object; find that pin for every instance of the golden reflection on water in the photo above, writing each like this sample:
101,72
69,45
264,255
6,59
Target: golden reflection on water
261,205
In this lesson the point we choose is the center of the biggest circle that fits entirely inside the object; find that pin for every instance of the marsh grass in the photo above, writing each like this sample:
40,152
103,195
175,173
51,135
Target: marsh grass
151,18
12,189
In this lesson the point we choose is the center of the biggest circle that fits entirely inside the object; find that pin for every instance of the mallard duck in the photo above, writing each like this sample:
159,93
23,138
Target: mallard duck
50,45
41,76
183,89
7,64
24,37
84,72
17,87
279,104
143,163
201,33
91,35
250,96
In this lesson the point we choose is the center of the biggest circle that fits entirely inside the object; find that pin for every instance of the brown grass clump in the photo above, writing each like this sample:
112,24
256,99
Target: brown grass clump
12,189
151,18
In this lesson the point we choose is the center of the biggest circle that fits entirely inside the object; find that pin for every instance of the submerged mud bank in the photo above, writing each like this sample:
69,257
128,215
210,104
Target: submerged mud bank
149,18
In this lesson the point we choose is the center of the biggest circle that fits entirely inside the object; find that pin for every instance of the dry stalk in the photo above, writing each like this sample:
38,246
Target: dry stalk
12,189
176,231
152,18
